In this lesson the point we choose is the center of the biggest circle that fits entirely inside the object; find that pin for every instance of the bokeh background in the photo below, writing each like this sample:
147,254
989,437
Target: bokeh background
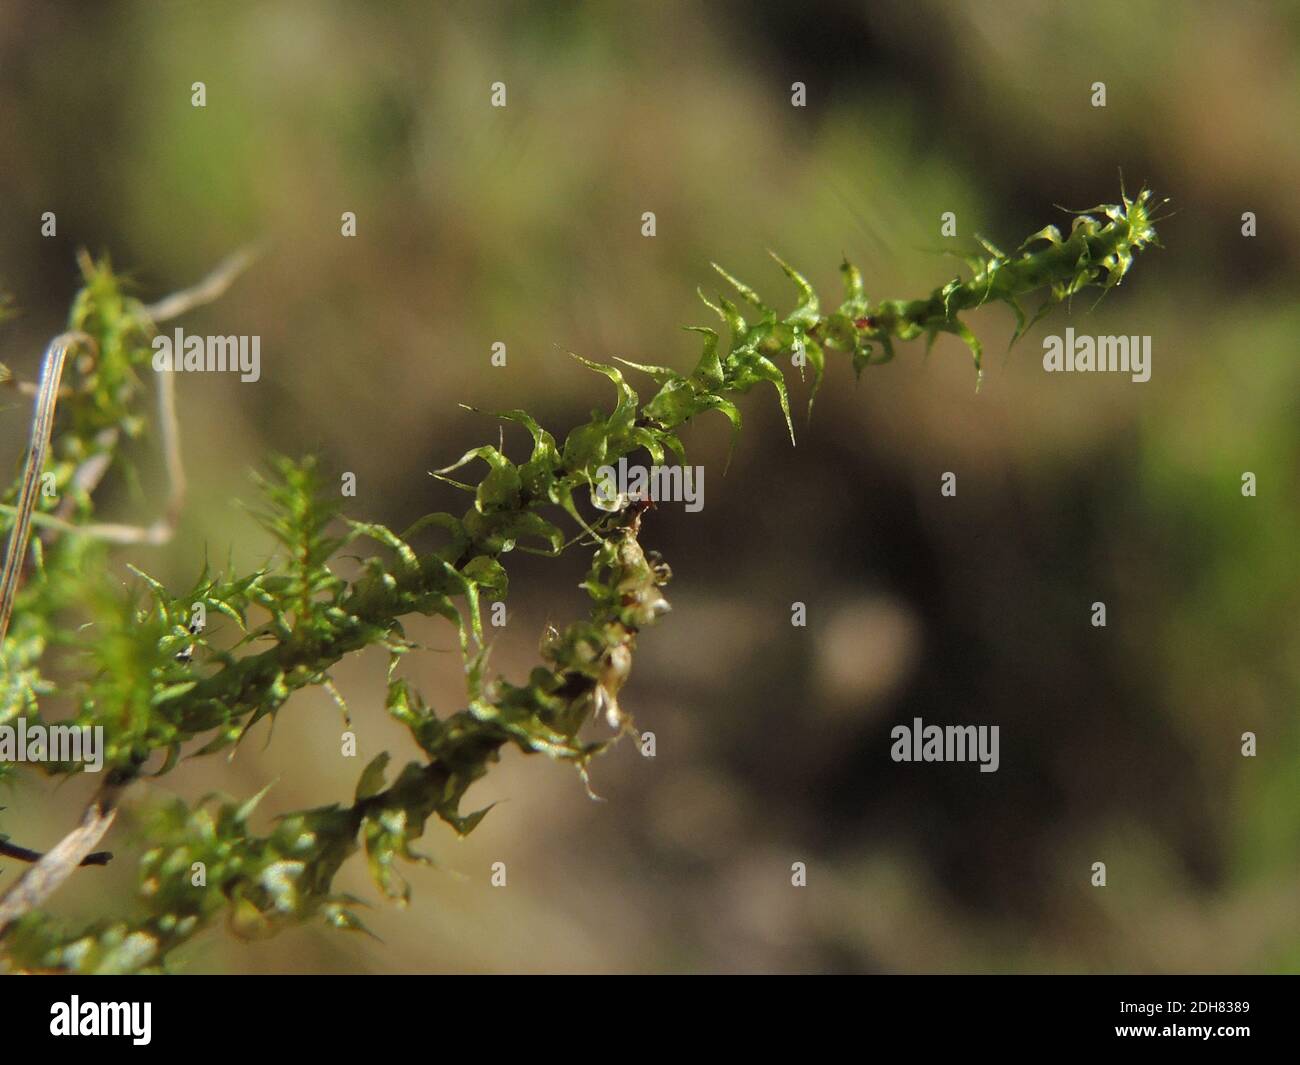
523,225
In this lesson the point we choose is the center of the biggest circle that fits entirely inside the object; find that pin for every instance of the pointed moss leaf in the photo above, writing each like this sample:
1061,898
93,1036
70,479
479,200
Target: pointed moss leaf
172,691
732,414
625,410
747,293
661,374
809,308
372,777
736,325
817,360
855,299
1048,233
759,368
710,304
499,489
971,341
388,538
245,810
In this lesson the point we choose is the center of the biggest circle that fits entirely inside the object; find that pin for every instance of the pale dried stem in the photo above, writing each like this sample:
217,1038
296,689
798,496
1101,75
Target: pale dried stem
42,425
57,864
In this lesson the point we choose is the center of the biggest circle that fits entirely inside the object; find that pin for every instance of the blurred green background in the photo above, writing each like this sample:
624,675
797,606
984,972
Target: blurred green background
523,225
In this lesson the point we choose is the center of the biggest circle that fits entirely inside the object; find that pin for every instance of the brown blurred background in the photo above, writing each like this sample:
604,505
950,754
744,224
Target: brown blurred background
523,225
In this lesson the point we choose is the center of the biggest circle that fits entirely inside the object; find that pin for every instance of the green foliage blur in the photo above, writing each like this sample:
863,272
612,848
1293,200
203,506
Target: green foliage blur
524,225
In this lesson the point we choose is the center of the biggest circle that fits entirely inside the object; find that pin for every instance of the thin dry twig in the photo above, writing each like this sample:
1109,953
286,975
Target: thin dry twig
211,288
57,864
22,854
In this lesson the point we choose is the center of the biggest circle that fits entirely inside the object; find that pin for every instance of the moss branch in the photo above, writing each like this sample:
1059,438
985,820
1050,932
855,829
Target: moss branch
157,684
